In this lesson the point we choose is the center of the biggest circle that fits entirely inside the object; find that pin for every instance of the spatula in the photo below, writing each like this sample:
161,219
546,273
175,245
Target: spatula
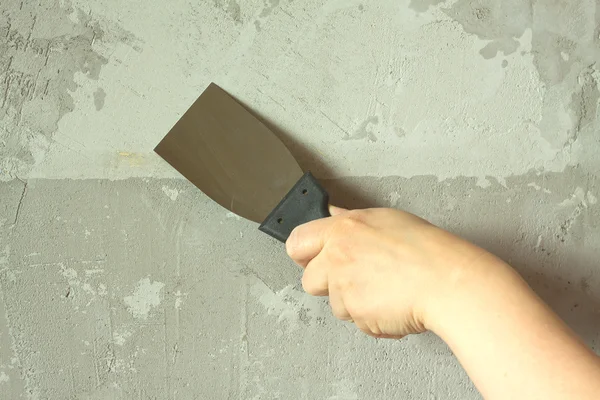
238,162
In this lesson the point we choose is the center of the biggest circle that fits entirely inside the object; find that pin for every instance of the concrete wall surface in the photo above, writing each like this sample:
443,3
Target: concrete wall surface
120,280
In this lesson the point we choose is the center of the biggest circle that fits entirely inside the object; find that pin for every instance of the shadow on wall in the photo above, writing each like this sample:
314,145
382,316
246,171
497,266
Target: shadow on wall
307,159
341,193
562,270
485,216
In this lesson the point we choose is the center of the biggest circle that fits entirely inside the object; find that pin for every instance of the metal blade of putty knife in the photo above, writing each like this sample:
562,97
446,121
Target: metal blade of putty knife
237,161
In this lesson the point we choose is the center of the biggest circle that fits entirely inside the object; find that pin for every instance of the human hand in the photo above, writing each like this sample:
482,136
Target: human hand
386,270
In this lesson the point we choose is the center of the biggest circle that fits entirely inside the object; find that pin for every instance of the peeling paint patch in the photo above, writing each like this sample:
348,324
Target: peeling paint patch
145,297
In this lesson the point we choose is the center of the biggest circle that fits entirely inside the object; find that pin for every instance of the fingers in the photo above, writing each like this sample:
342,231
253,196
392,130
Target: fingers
363,327
315,280
336,302
307,241
369,330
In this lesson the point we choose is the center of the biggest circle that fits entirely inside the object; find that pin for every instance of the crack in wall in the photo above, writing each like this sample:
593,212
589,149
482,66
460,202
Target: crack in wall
20,204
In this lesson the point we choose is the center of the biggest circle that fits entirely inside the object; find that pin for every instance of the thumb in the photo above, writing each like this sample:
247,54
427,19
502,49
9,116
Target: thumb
306,241
333,210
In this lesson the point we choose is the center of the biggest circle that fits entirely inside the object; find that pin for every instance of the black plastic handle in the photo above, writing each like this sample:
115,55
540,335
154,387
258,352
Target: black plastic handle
305,202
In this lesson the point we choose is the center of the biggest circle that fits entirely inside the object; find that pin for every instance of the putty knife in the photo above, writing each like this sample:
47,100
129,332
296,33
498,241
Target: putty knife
238,162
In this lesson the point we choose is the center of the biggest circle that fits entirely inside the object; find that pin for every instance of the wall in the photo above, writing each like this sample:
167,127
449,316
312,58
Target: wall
120,280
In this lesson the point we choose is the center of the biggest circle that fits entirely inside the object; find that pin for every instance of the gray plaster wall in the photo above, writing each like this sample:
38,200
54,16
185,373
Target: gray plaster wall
120,280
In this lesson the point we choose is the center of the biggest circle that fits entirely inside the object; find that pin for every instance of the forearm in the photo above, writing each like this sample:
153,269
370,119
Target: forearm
510,343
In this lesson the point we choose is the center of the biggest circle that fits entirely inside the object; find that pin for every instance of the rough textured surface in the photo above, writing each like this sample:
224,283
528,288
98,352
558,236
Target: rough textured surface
119,280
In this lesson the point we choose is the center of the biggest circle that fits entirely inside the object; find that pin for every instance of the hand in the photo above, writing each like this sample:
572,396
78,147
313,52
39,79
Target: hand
384,269
395,274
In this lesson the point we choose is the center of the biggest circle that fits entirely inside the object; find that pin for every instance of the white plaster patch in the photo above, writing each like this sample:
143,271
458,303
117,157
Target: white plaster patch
591,198
95,271
102,290
538,243
394,197
290,305
121,336
179,299
3,377
233,215
145,297
578,197
449,128
482,122
74,281
538,187
483,182
38,145
171,193
70,274
88,288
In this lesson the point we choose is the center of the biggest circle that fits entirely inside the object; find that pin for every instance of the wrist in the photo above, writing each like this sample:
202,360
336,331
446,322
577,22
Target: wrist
468,293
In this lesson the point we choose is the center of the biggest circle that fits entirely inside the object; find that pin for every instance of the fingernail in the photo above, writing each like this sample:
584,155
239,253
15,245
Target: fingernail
291,243
333,210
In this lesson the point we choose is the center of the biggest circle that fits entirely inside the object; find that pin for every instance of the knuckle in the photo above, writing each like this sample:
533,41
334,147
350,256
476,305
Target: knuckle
374,328
340,246
339,253
311,286
349,223
355,310
342,282
360,215
339,313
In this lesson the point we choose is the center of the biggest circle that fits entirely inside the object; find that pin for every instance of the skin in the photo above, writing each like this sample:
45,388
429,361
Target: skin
394,274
